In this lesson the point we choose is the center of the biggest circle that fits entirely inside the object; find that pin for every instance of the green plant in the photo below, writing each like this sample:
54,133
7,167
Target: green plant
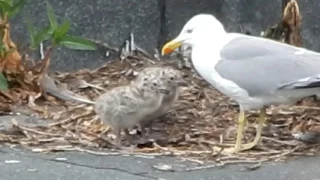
3,83
57,34
8,8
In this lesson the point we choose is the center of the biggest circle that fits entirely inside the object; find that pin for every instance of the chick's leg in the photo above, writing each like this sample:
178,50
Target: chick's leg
142,128
118,137
117,141
150,129
145,124
118,144
126,131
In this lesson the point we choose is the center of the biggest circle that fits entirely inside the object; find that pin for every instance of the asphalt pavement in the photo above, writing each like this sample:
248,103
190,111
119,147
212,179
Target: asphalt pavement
22,164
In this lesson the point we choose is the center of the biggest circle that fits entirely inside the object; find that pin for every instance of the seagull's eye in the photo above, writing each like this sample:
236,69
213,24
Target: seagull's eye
189,31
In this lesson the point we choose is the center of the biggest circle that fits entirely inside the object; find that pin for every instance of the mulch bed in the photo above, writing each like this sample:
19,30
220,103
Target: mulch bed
200,119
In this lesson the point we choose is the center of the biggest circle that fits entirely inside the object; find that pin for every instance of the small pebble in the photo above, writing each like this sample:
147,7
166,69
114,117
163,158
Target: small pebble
163,167
12,161
32,170
61,159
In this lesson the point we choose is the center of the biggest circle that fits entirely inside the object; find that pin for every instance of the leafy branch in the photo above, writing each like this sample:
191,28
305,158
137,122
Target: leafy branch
57,34
10,8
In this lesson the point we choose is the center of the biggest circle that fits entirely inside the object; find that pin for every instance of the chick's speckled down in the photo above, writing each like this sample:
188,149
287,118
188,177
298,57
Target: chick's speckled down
124,106
172,80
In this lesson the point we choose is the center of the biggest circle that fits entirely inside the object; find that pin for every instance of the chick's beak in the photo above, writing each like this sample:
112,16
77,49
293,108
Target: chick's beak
170,46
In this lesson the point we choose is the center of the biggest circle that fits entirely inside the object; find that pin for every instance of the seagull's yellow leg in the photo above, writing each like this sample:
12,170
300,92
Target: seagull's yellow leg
262,118
241,122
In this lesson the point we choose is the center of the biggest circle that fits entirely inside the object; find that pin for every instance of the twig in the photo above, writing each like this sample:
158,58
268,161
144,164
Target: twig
37,132
177,152
284,154
192,160
48,139
61,122
253,167
99,153
306,107
264,153
234,157
15,123
279,141
224,164
70,119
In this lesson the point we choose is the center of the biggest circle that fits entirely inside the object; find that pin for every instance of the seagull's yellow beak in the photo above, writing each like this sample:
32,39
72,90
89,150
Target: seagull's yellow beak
170,46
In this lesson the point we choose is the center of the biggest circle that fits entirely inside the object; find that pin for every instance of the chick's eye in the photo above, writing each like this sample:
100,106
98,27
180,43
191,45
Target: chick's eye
154,84
171,78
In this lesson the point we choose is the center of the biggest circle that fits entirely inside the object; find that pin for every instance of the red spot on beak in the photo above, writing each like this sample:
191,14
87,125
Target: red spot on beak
170,47
167,50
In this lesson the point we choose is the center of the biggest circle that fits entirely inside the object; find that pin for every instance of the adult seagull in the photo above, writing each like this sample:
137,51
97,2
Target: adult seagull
255,72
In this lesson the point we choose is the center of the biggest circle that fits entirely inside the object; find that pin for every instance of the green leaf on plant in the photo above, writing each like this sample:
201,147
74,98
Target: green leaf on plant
16,7
6,52
78,43
62,30
9,51
5,8
10,2
42,35
1,37
52,17
30,28
3,82
2,51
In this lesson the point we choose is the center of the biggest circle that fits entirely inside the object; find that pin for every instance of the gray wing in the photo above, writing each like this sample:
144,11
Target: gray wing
263,66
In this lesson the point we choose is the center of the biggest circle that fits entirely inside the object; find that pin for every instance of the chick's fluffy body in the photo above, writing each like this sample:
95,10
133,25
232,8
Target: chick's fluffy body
170,78
125,106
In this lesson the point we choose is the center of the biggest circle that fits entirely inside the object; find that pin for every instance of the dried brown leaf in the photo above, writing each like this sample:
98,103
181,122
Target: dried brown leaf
49,85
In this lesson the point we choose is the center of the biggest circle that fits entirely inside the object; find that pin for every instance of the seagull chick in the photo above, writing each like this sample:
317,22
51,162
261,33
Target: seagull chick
123,107
172,80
